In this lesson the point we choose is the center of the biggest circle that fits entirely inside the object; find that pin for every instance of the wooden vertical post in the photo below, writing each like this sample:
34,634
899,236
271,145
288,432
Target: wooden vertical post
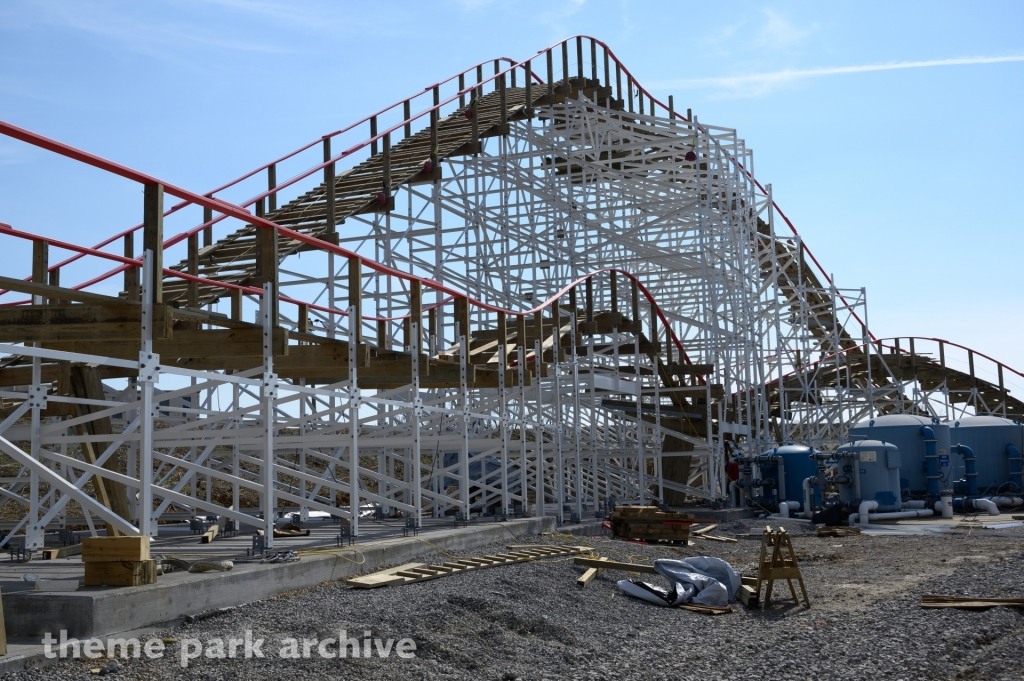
236,304
355,296
131,275
551,79
54,280
654,323
671,107
271,186
382,334
266,266
193,269
618,81
260,208
40,261
528,84
331,218
614,285
153,237
593,66
373,135
208,230
521,339
386,182
462,86
590,299
565,66
579,58
415,311
502,98
556,334
475,108
434,116
635,296
303,319
462,319
668,346
502,338
407,113
538,328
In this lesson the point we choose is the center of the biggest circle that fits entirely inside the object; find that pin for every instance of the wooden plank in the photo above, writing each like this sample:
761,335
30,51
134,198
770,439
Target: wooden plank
711,537
704,530
63,552
189,343
615,565
748,595
3,632
106,549
120,573
216,529
55,293
79,322
588,576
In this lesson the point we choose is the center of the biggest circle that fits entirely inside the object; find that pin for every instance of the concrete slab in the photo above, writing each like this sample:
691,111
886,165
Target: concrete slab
99,611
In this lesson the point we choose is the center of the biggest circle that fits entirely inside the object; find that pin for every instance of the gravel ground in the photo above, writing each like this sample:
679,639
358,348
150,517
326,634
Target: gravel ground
530,621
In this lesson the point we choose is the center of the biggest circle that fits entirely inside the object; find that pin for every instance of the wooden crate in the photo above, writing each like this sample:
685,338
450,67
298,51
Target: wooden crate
120,573
106,549
648,523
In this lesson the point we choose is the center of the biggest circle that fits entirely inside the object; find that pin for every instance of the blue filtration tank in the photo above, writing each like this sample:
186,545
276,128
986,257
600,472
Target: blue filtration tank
906,432
873,467
796,465
997,444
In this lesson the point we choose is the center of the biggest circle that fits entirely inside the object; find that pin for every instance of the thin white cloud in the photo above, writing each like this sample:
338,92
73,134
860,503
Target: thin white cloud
777,32
761,83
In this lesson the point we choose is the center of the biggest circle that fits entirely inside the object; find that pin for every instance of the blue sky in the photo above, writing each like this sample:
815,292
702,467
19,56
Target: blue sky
889,131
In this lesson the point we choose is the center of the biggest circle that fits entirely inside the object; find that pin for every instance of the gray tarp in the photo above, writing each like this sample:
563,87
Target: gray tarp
701,579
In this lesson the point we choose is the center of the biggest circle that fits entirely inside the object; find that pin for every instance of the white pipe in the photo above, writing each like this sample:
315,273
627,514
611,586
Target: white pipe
916,503
945,506
1006,501
734,492
987,505
865,508
786,506
807,498
896,515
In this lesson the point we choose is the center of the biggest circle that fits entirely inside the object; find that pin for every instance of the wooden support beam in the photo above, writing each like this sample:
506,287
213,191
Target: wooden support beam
40,261
153,237
613,285
303,318
502,334
56,294
415,313
382,334
267,266
615,565
207,231
355,295
131,274
79,322
192,299
329,189
188,343
86,384
236,304
271,186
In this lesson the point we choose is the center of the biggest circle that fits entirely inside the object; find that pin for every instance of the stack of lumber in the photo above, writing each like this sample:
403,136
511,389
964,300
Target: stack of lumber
837,531
648,523
118,561
941,601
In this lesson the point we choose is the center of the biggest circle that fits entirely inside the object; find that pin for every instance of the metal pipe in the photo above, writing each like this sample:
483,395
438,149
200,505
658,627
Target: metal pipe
1016,468
971,468
931,460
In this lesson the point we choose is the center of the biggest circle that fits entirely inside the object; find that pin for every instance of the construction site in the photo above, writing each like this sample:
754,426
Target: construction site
530,319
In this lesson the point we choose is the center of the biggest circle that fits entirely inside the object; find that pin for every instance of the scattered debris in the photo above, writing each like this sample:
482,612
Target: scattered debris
211,566
940,601
279,557
411,573
699,580
648,523
837,531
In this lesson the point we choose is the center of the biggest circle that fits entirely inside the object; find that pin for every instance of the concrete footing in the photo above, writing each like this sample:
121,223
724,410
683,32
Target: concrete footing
99,612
